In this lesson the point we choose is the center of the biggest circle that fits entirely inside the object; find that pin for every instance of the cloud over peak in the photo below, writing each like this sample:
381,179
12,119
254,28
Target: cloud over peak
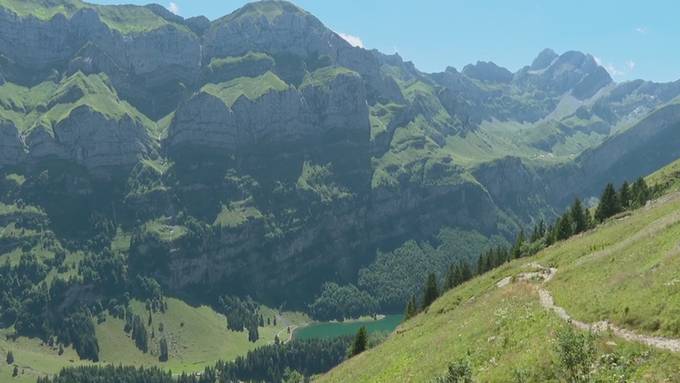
173,7
352,40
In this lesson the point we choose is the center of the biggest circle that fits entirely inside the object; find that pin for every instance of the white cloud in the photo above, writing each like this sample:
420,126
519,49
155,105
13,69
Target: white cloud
173,7
616,70
641,30
352,40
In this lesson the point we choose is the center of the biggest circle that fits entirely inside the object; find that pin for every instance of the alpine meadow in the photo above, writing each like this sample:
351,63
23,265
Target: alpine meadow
259,198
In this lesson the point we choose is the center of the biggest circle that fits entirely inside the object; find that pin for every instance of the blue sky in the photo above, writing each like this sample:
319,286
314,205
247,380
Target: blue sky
632,39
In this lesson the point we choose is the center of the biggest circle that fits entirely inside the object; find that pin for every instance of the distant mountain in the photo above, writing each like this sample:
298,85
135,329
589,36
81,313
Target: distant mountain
261,154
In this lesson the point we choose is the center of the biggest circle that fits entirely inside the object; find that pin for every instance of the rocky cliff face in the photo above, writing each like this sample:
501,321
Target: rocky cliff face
92,140
12,150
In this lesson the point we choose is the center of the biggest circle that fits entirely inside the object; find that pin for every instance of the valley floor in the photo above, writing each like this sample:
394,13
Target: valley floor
197,337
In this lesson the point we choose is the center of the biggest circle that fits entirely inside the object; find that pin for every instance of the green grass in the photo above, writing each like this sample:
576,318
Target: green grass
129,19
667,178
250,87
16,209
43,9
48,103
270,10
250,57
381,116
318,179
322,77
126,19
18,179
197,337
335,329
237,214
162,229
625,271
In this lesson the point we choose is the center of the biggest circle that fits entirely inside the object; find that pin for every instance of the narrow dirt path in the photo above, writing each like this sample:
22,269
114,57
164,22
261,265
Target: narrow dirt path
287,325
547,301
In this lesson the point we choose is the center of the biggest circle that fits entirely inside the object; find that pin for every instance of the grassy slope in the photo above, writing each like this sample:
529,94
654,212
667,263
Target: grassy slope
248,58
250,87
126,19
48,103
197,337
630,261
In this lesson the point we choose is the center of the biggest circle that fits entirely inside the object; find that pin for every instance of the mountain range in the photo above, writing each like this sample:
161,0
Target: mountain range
261,154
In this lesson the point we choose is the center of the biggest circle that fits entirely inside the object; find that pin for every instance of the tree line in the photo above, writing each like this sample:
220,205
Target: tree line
271,363
577,219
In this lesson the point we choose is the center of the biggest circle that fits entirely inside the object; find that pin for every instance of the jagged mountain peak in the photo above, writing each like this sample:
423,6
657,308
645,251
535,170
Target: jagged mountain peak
269,9
544,59
487,71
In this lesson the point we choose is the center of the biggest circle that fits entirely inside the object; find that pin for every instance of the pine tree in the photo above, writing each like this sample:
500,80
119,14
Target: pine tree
411,308
431,291
640,193
609,204
564,228
360,342
550,235
16,371
624,195
589,219
450,277
139,334
578,217
481,264
253,333
465,272
519,242
539,231
10,357
164,350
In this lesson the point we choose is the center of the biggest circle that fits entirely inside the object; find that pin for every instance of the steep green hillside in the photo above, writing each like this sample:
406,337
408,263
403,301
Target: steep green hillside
126,19
621,277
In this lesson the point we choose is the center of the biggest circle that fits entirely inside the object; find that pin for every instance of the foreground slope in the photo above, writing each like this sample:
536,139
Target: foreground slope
620,279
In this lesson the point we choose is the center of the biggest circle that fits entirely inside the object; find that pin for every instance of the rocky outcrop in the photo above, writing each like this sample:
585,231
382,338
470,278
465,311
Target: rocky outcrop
572,71
12,150
206,121
277,117
487,71
274,27
92,140
543,60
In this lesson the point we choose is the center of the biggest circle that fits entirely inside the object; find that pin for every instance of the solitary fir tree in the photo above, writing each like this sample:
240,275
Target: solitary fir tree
10,357
578,217
163,357
360,342
431,291
609,204
624,195
411,308
519,242
563,230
